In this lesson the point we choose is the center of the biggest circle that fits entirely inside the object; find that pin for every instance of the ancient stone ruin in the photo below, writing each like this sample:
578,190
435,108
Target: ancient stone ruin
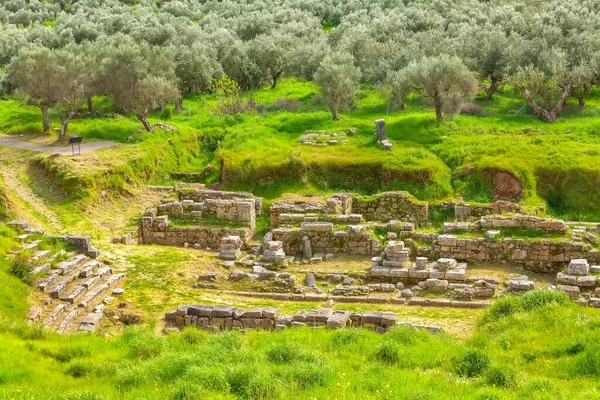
76,286
201,218
215,318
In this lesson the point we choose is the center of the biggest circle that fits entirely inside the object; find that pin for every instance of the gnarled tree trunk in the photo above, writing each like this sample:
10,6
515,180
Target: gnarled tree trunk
494,85
45,118
142,117
179,104
90,105
65,124
543,114
335,115
581,95
276,80
437,102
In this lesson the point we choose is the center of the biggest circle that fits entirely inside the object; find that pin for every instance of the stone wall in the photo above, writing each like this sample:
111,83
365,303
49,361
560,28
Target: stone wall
241,211
339,204
216,318
355,239
539,255
157,230
391,206
202,195
547,225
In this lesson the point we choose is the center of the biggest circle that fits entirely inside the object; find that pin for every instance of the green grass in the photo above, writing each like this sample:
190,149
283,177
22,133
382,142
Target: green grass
258,151
545,349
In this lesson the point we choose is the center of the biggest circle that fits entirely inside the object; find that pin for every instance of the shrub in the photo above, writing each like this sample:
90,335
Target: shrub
472,363
142,344
211,378
193,335
79,369
186,390
510,305
250,381
310,374
166,113
587,363
21,268
388,353
502,376
346,337
283,353
470,109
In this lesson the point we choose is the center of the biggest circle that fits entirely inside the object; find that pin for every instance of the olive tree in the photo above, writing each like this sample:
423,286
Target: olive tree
338,79
548,81
139,77
75,75
34,73
444,80
195,67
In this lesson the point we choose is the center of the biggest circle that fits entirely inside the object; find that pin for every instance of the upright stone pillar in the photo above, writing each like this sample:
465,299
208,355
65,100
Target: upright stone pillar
380,129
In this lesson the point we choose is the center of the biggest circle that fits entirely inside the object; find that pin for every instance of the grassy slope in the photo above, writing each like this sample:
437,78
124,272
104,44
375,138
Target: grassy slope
526,348
558,163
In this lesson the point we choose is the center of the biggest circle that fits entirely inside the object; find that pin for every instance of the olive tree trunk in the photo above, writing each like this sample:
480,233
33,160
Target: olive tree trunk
142,117
65,124
543,114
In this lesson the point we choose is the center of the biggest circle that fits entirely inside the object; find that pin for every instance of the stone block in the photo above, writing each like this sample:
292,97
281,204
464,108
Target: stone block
338,319
421,262
578,267
446,264
571,291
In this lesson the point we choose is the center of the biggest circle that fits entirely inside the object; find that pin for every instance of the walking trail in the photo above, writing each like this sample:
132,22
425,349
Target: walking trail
63,150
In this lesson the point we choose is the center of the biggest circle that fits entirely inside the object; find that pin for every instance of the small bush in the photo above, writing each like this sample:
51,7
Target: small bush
79,369
211,378
193,335
346,337
472,363
143,344
166,113
186,390
470,109
587,363
283,353
388,353
21,268
501,376
510,305
253,382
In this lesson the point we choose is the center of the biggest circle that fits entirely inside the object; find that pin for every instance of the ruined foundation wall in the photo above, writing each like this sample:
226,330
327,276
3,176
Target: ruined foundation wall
544,255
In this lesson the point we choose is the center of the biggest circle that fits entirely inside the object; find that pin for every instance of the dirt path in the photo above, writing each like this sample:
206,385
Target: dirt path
64,150
27,201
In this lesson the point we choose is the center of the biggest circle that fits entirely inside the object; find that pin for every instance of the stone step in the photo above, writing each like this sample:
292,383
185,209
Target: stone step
103,272
39,255
89,268
91,282
54,314
23,237
42,268
113,280
34,314
74,295
91,294
47,282
69,265
91,322
67,320
61,285
31,246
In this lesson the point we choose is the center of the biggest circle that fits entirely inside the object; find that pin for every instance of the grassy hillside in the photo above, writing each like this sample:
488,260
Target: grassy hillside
539,346
258,150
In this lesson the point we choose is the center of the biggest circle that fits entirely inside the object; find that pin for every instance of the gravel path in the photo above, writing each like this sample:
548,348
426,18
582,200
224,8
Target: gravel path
64,150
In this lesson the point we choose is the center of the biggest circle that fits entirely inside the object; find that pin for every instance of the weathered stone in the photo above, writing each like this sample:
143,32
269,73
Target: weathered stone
578,267
445,264
380,130
572,291
338,319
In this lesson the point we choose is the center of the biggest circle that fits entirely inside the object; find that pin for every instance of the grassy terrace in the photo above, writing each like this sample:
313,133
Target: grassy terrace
557,163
